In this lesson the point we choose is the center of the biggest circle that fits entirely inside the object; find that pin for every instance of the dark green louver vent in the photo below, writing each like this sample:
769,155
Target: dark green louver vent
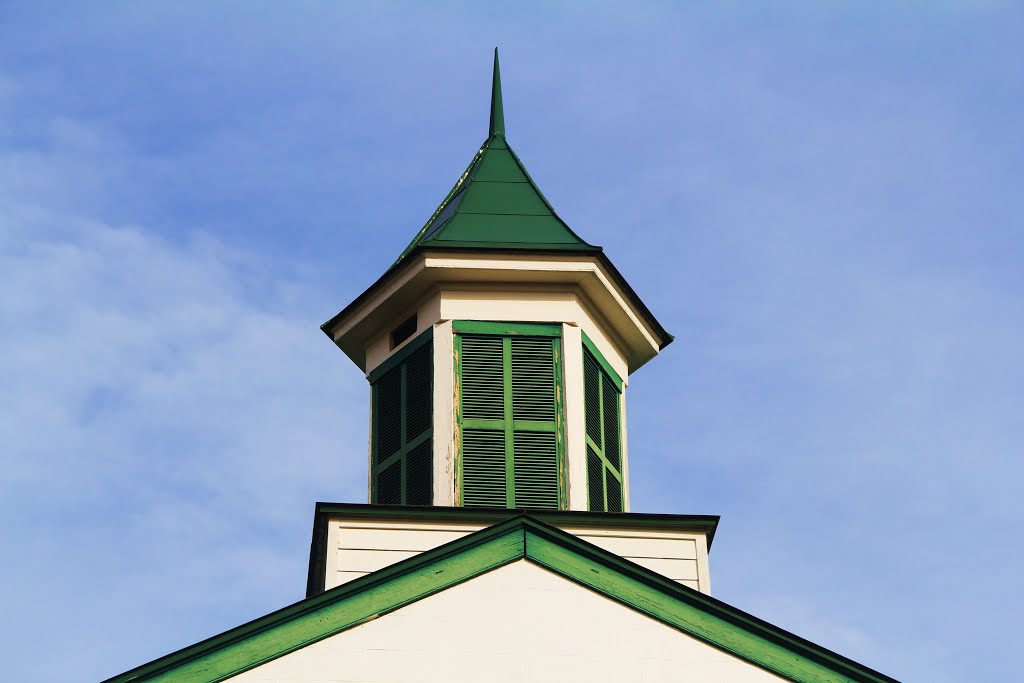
509,387
402,419
602,399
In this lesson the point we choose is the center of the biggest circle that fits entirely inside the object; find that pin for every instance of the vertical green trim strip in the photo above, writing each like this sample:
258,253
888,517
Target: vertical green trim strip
506,384
560,428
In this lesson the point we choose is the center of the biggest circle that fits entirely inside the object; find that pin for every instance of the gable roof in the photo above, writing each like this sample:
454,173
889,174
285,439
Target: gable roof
520,538
495,204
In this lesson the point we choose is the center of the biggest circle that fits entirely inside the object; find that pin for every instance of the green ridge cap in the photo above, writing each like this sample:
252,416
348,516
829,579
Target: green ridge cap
495,204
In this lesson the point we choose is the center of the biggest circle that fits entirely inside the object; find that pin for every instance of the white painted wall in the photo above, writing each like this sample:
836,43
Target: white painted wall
514,624
522,302
358,547
575,441
446,437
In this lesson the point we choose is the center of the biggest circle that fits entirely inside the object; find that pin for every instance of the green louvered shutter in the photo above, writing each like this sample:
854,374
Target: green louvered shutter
602,399
510,418
402,428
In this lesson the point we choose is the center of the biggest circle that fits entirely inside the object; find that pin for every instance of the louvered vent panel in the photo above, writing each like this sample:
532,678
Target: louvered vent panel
481,389
614,492
533,379
610,407
418,392
483,468
389,484
389,414
595,481
535,469
419,482
592,396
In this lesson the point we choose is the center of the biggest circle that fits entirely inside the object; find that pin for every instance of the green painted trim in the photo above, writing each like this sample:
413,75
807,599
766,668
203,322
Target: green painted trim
399,356
701,616
605,365
560,429
503,328
336,610
521,537
509,432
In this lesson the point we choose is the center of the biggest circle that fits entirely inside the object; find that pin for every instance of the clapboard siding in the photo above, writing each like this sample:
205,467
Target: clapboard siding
364,546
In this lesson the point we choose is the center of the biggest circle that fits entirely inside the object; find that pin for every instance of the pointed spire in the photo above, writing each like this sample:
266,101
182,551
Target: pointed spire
497,111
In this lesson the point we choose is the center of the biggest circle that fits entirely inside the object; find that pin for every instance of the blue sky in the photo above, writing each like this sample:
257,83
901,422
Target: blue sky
823,201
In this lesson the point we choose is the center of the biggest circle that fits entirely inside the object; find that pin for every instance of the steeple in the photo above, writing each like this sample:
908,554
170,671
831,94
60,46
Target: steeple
498,349
497,111
495,204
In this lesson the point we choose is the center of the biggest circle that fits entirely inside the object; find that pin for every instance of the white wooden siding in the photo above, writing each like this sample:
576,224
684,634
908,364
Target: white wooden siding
514,624
363,546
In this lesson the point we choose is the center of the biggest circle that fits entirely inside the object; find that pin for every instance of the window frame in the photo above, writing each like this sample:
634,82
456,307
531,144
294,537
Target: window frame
588,442
508,330
398,361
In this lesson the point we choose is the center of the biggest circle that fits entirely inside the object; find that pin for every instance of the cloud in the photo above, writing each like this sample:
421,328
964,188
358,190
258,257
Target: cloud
162,427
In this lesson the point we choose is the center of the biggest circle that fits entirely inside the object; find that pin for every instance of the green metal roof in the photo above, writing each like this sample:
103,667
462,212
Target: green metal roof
495,203
496,206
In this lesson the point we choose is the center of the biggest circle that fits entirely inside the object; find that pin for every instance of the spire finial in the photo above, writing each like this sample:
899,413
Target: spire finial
497,111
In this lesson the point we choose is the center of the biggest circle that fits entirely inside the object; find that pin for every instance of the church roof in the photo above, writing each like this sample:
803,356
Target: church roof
520,538
495,204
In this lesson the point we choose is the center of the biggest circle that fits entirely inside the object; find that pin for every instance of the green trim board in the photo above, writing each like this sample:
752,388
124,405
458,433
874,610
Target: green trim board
313,619
521,537
507,328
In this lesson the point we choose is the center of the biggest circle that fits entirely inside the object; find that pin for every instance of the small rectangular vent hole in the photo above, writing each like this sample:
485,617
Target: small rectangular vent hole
403,331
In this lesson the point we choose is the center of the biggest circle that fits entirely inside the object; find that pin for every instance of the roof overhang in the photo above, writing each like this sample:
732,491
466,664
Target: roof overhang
426,268
523,537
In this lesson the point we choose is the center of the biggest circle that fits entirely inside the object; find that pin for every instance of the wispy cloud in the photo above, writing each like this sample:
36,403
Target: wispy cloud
162,427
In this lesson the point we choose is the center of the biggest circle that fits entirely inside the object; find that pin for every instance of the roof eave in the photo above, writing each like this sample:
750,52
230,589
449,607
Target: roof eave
664,337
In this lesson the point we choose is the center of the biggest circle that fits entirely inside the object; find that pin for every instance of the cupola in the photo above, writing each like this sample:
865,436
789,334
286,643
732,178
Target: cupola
498,348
